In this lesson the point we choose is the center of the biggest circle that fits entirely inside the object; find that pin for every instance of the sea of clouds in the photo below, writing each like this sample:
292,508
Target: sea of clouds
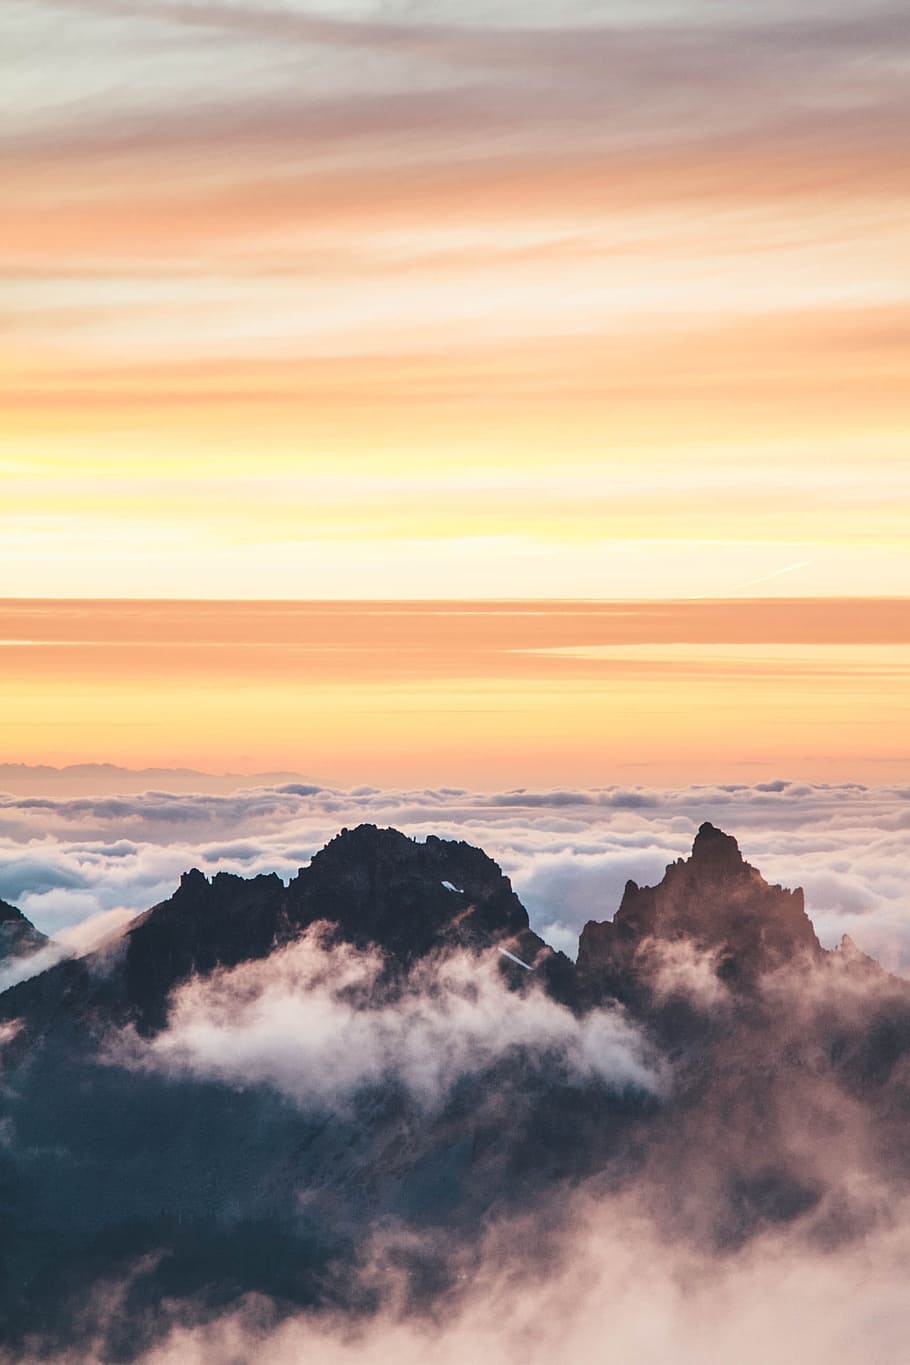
626,1280
613,1293
80,867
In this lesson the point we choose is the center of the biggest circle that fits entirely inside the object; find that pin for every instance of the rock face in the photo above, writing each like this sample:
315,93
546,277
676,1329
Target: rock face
379,887
713,900
18,936
375,887
196,1191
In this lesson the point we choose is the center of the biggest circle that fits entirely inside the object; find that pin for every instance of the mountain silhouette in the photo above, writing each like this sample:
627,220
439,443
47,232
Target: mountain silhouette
178,1121
375,887
713,900
18,936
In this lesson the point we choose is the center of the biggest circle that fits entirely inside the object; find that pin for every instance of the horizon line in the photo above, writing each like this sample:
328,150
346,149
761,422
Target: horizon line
700,598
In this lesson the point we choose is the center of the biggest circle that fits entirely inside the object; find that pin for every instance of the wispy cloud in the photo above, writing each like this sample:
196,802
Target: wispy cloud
456,198
308,1022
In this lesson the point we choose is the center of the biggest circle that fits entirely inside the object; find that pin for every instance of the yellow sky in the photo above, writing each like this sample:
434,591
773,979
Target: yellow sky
322,301
490,695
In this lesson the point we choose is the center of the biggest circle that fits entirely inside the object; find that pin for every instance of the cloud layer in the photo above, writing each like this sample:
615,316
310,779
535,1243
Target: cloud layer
307,1021
569,852
614,1293
740,1197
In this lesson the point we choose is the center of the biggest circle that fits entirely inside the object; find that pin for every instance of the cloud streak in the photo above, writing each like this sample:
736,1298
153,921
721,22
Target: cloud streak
271,187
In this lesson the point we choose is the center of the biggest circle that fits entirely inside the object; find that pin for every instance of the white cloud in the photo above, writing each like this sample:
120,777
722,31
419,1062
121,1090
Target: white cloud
568,852
677,968
616,1293
17,969
314,1021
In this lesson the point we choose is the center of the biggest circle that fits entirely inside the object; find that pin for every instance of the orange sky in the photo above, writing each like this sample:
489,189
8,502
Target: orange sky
442,301
489,695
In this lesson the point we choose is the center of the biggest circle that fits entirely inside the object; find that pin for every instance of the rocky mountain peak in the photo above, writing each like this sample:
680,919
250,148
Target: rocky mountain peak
375,888
714,900
848,952
193,880
253,1156
716,853
380,887
9,913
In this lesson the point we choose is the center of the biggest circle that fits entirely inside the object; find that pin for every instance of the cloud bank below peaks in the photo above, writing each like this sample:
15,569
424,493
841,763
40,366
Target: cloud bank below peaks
66,860
317,1022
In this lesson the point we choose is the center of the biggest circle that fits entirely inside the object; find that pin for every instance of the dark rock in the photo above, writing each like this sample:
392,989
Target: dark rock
713,900
373,887
18,936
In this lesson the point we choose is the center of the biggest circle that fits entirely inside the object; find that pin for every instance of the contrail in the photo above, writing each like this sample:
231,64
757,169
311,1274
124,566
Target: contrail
775,573
512,958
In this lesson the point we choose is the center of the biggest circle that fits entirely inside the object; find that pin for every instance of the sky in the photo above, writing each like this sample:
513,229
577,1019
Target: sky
452,300
475,694
486,418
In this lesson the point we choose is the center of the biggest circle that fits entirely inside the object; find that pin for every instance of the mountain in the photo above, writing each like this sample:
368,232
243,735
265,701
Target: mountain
18,936
256,1081
374,887
716,902
378,888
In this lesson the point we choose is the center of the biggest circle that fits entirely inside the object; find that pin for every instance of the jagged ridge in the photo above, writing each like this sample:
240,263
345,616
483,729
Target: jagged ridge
715,900
378,887
198,1191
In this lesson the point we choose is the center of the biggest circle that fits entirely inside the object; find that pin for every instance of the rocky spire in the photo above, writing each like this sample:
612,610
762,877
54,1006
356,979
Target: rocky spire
716,901
716,853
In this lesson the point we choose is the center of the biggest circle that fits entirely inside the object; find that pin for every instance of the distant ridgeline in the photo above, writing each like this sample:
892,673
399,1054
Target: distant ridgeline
235,1094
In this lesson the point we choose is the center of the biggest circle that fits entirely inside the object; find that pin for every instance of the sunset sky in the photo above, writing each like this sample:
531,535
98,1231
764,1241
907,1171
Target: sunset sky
482,421
447,300
490,695
455,300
